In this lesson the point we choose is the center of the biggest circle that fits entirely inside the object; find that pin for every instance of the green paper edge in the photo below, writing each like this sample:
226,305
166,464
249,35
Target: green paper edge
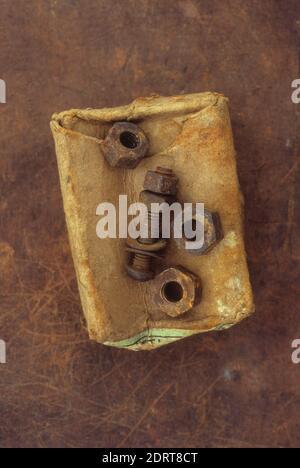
158,337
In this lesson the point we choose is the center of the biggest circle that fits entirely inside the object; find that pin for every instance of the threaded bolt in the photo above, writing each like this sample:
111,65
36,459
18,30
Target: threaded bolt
141,260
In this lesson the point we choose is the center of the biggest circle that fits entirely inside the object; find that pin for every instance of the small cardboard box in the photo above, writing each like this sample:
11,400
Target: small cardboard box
192,135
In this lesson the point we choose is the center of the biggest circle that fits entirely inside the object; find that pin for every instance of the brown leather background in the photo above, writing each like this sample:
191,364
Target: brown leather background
237,388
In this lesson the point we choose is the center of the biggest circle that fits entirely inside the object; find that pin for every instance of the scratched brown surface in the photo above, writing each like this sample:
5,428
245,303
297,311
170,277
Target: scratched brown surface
230,389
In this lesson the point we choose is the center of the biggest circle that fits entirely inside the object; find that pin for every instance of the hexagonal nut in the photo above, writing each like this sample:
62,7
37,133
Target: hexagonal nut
212,233
125,145
162,181
176,291
148,198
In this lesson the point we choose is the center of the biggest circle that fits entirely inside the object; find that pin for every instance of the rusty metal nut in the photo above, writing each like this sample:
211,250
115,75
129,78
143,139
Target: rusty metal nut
176,291
162,181
125,145
212,233
148,198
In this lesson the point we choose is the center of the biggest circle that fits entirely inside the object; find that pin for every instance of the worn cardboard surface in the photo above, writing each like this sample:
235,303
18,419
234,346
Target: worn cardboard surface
192,135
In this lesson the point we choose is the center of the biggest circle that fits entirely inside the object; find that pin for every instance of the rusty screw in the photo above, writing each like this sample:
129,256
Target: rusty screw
125,145
143,250
142,254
